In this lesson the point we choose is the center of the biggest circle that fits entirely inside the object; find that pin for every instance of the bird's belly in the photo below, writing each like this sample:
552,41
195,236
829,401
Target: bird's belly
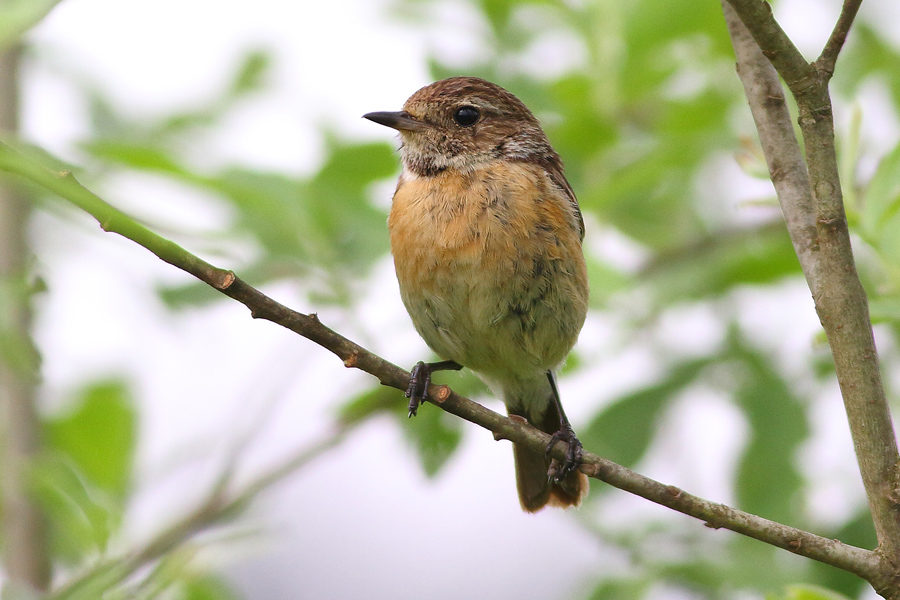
500,296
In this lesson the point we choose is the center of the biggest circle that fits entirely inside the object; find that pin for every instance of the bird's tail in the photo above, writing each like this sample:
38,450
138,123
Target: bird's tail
535,488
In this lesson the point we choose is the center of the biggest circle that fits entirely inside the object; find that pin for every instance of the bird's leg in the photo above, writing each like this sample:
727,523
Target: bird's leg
420,377
565,434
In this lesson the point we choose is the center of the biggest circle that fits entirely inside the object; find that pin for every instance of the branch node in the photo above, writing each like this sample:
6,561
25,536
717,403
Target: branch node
442,394
352,360
225,280
315,318
673,491
795,545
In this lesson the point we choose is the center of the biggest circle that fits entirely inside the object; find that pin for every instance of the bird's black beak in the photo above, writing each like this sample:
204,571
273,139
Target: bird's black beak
400,121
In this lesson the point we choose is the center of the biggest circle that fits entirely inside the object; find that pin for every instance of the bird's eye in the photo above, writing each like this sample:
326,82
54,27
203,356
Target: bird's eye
466,116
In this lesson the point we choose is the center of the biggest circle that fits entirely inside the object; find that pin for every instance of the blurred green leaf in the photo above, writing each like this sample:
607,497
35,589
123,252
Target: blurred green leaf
98,434
810,592
371,402
81,517
620,589
716,264
136,155
858,531
435,435
768,482
18,16
880,216
884,309
207,588
251,73
623,431
868,53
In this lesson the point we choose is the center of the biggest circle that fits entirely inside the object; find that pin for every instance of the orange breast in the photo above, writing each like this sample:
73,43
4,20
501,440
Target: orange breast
490,267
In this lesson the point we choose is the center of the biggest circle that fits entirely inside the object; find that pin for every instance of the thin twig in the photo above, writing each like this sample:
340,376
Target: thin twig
775,44
835,42
856,560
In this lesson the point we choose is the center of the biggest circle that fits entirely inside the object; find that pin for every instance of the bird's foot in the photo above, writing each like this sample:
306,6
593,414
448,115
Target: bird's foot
559,470
420,379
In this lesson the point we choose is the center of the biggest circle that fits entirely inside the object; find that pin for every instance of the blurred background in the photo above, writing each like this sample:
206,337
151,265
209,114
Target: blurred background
236,131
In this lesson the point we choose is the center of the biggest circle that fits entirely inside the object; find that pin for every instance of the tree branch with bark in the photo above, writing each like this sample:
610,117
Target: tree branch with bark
817,223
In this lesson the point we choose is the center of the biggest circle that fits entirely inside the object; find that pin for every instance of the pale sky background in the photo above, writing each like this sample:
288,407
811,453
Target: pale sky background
363,521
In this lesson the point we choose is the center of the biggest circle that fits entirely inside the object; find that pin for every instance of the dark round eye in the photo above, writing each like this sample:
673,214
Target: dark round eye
466,116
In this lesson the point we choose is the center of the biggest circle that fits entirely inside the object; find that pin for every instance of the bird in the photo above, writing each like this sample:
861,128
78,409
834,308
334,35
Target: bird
486,236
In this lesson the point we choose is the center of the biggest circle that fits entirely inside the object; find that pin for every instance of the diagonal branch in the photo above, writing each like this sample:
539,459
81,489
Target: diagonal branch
835,42
864,563
775,44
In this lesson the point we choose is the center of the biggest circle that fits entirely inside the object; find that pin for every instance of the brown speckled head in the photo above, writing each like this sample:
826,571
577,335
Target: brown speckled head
461,122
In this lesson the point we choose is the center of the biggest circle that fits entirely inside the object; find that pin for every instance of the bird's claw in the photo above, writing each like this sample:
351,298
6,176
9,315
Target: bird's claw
417,392
574,453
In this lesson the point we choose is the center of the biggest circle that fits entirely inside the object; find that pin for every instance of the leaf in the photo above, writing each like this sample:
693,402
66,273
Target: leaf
371,402
880,217
811,592
98,434
80,516
435,435
18,16
207,588
251,73
858,531
885,309
623,431
768,481
714,265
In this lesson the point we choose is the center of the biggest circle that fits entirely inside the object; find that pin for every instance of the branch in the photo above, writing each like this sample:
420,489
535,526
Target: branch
797,73
833,46
864,563
840,299
787,168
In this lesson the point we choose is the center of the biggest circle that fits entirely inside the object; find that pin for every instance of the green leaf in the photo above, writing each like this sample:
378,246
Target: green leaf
136,155
207,588
98,434
768,482
623,431
859,531
18,16
377,400
811,592
251,73
81,517
712,266
435,436
885,309
880,217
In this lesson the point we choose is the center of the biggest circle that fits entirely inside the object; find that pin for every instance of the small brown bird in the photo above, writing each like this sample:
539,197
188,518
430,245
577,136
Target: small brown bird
486,238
